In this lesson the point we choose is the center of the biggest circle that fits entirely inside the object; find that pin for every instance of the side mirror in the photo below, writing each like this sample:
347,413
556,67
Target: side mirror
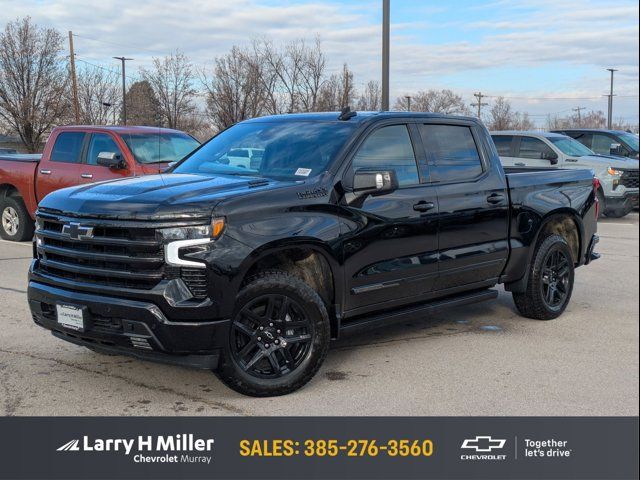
551,156
374,182
617,149
111,160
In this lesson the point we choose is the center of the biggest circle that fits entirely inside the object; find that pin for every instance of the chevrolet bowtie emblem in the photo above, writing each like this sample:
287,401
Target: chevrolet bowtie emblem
483,443
76,231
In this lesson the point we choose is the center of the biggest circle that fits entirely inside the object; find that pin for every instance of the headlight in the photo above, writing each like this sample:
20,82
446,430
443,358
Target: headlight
613,172
179,238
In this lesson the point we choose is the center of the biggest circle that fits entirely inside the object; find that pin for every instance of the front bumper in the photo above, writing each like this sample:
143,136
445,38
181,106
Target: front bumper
627,202
131,327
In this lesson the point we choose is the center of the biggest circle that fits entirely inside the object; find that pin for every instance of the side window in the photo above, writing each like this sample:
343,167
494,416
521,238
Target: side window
101,142
389,148
602,144
68,147
503,144
533,148
453,152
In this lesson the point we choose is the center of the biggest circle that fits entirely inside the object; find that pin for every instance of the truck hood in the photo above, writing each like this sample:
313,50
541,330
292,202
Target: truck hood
614,162
153,197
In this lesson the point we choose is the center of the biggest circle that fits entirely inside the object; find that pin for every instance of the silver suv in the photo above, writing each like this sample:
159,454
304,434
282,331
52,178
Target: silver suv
618,176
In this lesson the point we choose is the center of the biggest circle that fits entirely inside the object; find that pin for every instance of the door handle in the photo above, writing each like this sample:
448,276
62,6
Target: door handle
86,175
495,198
520,164
45,172
572,160
423,206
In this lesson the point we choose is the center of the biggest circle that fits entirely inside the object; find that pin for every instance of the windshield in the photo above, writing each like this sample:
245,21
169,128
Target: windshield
286,151
157,148
630,139
572,147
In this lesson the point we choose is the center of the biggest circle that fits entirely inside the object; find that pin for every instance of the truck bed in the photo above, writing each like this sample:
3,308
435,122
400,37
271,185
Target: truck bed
21,157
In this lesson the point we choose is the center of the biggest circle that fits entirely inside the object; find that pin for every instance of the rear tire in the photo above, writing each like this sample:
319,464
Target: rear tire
278,337
16,224
550,283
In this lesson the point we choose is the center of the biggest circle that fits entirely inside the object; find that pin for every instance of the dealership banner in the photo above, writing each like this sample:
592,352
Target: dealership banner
313,447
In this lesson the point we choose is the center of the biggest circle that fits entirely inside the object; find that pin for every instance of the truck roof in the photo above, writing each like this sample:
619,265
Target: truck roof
590,130
120,129
530,133
359,117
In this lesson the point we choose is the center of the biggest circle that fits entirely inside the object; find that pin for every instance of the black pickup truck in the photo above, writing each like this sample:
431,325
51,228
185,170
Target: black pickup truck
347,221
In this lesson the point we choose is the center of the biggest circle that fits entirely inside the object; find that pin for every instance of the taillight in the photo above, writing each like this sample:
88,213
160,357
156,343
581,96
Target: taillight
596,187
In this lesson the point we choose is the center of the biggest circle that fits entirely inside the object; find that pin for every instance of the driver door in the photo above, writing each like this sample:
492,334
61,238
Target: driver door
390,240
91,171
533,152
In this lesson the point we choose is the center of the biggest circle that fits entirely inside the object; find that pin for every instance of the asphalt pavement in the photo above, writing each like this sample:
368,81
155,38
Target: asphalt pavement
482,359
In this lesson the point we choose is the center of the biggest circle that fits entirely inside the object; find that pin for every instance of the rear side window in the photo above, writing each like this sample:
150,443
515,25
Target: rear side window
389,148
452,151
68,147
503,144
533,148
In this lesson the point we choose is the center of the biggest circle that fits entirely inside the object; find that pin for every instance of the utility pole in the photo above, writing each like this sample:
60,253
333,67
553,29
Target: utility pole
408,97
479,103
124,89
74,81
385,53
578,109
610,112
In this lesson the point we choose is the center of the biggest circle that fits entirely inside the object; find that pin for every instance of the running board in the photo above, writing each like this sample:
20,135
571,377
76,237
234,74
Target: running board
403,314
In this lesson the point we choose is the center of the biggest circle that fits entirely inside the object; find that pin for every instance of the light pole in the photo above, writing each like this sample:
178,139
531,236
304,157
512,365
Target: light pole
610,112
385,54
124,89
408,97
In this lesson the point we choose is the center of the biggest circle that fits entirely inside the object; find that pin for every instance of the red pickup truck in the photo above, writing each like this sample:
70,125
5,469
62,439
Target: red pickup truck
74,155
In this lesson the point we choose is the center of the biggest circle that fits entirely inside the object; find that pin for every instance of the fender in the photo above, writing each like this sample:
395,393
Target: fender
520,285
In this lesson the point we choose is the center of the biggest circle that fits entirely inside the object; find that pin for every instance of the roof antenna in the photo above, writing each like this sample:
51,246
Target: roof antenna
346,114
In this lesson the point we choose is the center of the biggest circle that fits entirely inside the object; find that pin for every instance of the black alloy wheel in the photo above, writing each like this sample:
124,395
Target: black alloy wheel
271,336
555,278
278,336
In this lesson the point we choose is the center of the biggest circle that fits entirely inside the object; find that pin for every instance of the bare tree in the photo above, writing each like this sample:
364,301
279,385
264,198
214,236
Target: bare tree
436,101
172,79
283,73
32,80
503,117
98,95
236,91
143,107
338,91
592,119
370,100
312,76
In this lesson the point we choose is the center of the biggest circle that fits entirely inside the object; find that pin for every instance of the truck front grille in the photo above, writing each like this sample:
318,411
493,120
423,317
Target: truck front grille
116,256
630,178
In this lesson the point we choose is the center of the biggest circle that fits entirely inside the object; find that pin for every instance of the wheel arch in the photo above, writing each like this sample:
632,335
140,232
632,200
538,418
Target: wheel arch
555,222
309,259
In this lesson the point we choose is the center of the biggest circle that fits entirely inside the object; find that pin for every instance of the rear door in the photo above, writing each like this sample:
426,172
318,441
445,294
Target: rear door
62,168
91,171
473,205
391,247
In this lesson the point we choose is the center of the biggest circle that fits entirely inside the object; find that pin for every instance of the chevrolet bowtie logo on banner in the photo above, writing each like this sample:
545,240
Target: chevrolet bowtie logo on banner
483,444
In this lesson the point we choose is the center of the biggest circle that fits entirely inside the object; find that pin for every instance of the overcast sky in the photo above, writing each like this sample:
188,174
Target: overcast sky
547,56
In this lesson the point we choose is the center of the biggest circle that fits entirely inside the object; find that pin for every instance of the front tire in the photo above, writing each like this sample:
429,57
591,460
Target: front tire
15,223
278,338
550,283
